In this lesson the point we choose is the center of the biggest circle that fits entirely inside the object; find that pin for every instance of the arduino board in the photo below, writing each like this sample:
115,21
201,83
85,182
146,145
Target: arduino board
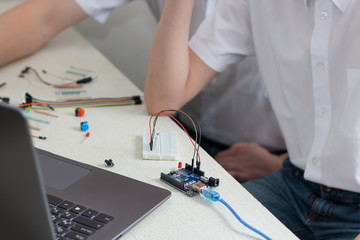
189,180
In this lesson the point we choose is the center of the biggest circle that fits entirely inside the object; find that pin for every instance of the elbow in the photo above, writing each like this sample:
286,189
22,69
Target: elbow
151,108
156,102
162,95
151,101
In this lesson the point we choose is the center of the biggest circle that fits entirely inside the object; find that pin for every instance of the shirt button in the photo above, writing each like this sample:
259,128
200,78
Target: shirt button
314,160
323,111
320,66
324,15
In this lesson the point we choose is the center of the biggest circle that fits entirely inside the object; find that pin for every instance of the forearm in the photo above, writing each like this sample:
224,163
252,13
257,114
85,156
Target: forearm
27,27
169,59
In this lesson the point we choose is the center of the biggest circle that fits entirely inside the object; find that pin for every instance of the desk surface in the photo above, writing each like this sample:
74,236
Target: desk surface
116,133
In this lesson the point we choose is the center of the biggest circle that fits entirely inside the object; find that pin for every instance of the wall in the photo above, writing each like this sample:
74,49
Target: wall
125,39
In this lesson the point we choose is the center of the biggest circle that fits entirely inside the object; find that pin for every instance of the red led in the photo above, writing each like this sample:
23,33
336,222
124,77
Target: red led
180,165
87,134
79,112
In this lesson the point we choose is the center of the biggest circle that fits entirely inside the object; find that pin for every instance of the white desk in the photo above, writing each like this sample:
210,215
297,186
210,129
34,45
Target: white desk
115,132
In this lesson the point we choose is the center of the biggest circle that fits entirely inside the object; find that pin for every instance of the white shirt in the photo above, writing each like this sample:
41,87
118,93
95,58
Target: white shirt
308,54
234,107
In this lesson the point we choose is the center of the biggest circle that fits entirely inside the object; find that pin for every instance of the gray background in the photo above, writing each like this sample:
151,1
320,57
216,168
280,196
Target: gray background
125,39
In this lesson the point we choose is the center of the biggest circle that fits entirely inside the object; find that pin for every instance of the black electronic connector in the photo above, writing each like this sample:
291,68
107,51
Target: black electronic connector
5,100
198,165
26,70
199,172
152,140
213,182
189,167
84,80
28,98
194,170
109,163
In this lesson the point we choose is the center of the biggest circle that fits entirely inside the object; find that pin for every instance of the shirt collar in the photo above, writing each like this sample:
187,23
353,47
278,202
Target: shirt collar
305,2
341,4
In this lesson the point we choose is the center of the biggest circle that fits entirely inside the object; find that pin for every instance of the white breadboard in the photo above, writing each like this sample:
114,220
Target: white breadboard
164,146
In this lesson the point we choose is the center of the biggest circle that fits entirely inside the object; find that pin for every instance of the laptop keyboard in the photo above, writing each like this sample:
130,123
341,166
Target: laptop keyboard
73,221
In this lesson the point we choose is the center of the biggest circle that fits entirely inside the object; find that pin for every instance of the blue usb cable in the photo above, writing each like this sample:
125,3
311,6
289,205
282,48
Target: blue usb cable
215,197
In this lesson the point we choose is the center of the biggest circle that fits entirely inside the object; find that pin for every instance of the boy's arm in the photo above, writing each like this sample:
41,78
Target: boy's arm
175,73
27,27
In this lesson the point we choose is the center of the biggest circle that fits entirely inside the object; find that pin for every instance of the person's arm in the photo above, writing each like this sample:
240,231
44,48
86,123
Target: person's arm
248,161
175,73
27,27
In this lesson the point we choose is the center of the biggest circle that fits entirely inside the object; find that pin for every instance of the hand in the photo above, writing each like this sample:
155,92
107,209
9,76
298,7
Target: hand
247,161
358,237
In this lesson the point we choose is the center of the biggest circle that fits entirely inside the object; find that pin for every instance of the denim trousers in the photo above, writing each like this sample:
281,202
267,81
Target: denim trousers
308,209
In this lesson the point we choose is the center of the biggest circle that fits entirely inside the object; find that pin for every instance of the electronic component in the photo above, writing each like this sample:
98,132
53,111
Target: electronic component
46,113
70,92
84,126
75,84
39,137
186,181
191,179
5,100
211,195
34,128
213,182
84,103
37,120
79,112
109,163
195,170
198,186
164,146
87,135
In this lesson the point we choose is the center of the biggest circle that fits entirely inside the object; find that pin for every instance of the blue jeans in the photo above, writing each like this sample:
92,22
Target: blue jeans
308,209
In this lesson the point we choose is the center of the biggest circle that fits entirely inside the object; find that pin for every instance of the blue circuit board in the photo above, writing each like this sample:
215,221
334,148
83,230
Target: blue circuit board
182,179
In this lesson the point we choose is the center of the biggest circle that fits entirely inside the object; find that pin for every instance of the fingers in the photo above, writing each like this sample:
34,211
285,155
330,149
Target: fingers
247,161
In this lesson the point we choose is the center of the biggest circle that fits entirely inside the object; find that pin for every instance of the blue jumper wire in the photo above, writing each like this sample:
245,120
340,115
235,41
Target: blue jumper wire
215,197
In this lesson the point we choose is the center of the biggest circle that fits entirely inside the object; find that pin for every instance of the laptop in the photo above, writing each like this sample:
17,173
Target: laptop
46,196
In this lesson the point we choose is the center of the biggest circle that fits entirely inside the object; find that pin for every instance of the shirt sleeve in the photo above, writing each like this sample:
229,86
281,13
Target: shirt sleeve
224,37
100,9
